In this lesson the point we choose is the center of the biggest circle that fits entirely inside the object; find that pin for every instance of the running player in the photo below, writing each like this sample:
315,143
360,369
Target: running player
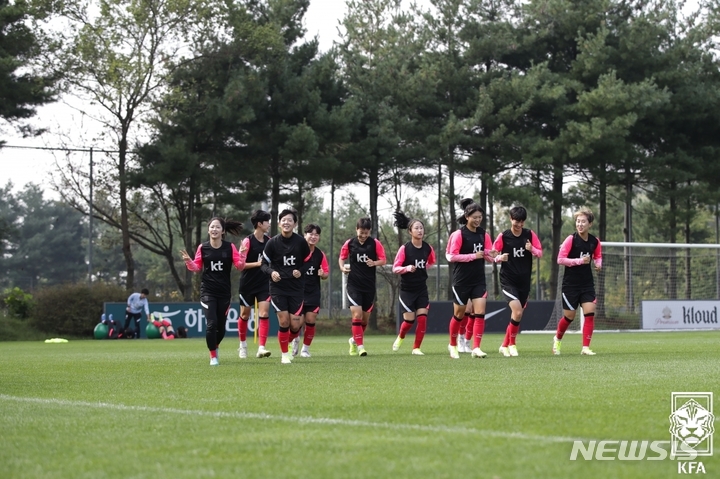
516,247
465,247
412,262
215,259
578,286
255,286
315,269
364,254
283,260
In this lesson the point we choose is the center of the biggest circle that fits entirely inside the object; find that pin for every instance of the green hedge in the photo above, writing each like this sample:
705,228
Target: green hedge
72,309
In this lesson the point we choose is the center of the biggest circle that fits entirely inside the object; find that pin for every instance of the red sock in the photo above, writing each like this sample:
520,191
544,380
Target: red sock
263,330
420,330
213,353
506,340
588,327
478,329
364,327
242,329
309,334
405,327
294,335
357,332
563,324
463,324
163,334
454,329
284,339
514,329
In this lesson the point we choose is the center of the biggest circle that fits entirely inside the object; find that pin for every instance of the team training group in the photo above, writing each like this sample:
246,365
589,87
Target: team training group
284,272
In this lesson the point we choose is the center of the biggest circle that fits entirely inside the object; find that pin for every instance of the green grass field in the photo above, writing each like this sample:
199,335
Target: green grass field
149,409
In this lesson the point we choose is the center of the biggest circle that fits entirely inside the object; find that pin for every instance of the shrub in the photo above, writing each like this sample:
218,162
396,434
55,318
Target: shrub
18,303
72,309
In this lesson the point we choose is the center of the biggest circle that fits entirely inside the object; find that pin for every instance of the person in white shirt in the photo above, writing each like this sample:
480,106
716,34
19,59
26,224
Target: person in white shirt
136,302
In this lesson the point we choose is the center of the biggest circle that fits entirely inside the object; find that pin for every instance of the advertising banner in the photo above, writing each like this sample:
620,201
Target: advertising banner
680,314
190,316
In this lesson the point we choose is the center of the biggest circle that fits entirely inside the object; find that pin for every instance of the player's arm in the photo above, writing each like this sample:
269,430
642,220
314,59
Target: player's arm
535,245
380,251
239,257
193,264
452,251
563,254
324,268
344,255
397,266
597,256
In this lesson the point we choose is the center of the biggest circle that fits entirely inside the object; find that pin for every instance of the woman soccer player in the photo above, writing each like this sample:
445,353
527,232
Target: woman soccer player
315,269
468,248
578,286
255,286
364,254
412,262
215,259
516,247
283,260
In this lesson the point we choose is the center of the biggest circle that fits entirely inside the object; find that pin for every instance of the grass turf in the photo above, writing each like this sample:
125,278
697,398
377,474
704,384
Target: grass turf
149,409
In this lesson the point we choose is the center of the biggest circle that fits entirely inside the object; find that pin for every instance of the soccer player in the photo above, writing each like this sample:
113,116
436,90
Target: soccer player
412,262
577,252
255,286
283,259
215,258
315,269
468,248
363,253
136,303
516,247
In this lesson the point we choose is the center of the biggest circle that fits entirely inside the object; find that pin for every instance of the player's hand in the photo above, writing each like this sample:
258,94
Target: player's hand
275,276
504,256
370,263
242,248
346,269
185,256
296,273
598,268
528,245
412,268
586,259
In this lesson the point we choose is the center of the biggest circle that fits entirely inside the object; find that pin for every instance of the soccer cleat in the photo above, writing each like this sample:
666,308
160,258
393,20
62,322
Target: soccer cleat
464,345
361,351
512,349
504,351
305,353
286,358
295,346
453,350
478,353
353,347
417,352
214,362
586,351
556,346
242,352
263,353
398,342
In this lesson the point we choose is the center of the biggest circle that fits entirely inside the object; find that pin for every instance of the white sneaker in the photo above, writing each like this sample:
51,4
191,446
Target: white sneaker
556,346
417,352
512,349
263,353
398,342
468,345
478,353
214,362
305,353
453,350
296,346
286,358
504,351
586,351
242,352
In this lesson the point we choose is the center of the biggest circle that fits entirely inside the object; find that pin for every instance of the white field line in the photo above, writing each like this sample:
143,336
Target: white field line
63,403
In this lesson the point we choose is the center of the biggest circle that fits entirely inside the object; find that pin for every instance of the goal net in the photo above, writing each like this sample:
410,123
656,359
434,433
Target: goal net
634,272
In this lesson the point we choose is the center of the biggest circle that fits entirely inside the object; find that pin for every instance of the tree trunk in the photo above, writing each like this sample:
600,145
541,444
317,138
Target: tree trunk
602,234
124,222
372,322
557,222
274,198
672,273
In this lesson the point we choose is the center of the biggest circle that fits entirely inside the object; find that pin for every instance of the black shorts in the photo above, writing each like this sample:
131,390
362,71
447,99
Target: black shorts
572,298
365,299
512,293
260,293
291,304
461,294
310,308
411,301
